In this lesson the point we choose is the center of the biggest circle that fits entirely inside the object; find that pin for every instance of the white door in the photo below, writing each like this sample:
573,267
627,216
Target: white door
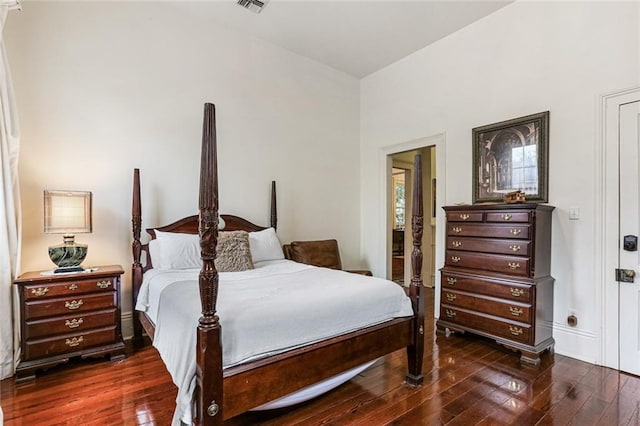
629,292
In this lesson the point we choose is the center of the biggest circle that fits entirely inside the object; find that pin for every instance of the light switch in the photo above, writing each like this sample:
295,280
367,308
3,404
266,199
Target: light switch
574,213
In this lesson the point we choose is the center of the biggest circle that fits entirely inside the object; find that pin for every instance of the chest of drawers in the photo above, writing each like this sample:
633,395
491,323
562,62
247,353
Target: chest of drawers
496,277
64,316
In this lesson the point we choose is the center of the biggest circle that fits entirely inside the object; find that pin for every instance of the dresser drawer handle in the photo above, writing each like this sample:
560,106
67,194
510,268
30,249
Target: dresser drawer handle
464,216
74,341
515,231
516,331
103,284
451,297
513,265
40,291
506,216
455,259
73,304
451,280
516,292
514,248
516,312
456,243
450,313
74,323
73,286
457,229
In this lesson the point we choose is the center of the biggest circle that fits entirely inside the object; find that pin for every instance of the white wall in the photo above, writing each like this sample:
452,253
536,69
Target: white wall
106,87
525,58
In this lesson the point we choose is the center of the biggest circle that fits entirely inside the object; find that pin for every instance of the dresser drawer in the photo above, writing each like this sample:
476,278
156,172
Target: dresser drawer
69,323
69,305
504,309
511,265
518,332
519,231
69,343
464,216
485,245
511,291
507,216
71,287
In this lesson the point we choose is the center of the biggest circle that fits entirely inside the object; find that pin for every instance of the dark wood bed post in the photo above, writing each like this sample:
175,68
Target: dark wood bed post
274,209
415,351
209,379
136,246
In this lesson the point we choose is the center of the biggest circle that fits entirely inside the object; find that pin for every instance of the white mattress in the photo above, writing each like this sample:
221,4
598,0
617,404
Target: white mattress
278,306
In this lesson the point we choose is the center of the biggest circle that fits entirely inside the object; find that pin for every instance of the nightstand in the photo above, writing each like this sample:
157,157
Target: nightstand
68,315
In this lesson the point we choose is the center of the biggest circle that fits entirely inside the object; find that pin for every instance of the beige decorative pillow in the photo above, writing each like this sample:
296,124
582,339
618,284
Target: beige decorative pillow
232,252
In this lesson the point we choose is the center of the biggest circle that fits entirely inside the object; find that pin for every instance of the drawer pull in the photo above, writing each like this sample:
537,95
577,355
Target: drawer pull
103,284
73,286
74,323
464,216
456,229
455,259
456,243
73,304
450,313
451,297
40,291
506,216
515,231
516,331
451,280
516,292
514,248
513,265
516,312
74,342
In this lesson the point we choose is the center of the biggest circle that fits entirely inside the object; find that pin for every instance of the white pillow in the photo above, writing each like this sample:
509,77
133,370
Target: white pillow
265,245
171,250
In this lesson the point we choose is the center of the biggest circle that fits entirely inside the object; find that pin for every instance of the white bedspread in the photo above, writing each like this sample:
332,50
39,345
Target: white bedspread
275,307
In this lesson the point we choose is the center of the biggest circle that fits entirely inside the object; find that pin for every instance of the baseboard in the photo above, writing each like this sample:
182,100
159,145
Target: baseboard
127,325
576,343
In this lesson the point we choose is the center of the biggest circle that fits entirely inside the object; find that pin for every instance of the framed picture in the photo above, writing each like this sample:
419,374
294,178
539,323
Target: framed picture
509,156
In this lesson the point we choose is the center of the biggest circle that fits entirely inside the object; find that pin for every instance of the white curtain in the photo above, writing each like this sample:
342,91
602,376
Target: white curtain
10,220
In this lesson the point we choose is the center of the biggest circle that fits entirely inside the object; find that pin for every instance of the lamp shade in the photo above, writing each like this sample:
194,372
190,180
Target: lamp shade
68,213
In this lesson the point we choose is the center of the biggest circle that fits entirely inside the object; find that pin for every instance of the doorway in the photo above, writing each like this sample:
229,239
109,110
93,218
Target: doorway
400,207
621,182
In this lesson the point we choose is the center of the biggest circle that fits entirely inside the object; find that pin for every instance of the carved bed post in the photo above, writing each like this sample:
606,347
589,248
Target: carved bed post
209,379
274,208
415,351
136,247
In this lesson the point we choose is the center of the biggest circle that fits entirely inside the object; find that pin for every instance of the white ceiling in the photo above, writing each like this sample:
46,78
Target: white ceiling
357,37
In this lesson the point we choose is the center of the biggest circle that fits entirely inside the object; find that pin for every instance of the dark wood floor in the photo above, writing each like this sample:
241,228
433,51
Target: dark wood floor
467,381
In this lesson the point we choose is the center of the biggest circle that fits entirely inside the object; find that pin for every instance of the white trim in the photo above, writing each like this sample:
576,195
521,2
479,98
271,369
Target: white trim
439,141
127,325
607,217
578,344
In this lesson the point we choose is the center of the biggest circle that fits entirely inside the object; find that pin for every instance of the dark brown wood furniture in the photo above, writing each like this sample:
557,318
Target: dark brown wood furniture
322,253
68,315
224,394
496,277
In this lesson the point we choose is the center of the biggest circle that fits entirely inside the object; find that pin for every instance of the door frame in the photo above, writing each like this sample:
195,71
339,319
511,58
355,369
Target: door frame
437,141
607,222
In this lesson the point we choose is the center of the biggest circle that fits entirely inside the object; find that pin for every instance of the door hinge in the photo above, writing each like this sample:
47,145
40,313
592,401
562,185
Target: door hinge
625,275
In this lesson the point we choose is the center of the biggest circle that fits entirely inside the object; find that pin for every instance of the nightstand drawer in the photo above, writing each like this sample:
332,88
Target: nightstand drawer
69,305
69,343
71,287
69,324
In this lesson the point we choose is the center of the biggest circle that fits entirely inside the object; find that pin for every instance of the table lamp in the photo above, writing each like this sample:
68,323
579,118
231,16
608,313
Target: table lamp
67,213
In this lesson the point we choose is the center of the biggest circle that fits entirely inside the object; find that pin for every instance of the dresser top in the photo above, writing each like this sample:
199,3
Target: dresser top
49,276
500,206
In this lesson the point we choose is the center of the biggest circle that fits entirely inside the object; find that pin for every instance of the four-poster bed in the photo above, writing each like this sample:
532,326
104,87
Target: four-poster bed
221,393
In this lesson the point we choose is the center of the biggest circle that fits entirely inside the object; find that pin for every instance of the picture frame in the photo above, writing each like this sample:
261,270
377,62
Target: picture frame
509,156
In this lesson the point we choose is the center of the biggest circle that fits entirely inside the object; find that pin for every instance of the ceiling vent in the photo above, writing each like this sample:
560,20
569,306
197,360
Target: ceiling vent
253,5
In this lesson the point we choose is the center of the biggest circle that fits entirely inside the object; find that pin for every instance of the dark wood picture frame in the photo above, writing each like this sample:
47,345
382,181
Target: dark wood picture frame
509,156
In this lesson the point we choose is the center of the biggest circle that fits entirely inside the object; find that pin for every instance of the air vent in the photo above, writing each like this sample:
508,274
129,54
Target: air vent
253,5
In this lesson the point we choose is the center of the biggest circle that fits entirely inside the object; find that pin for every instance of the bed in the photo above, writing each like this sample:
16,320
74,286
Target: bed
224,386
